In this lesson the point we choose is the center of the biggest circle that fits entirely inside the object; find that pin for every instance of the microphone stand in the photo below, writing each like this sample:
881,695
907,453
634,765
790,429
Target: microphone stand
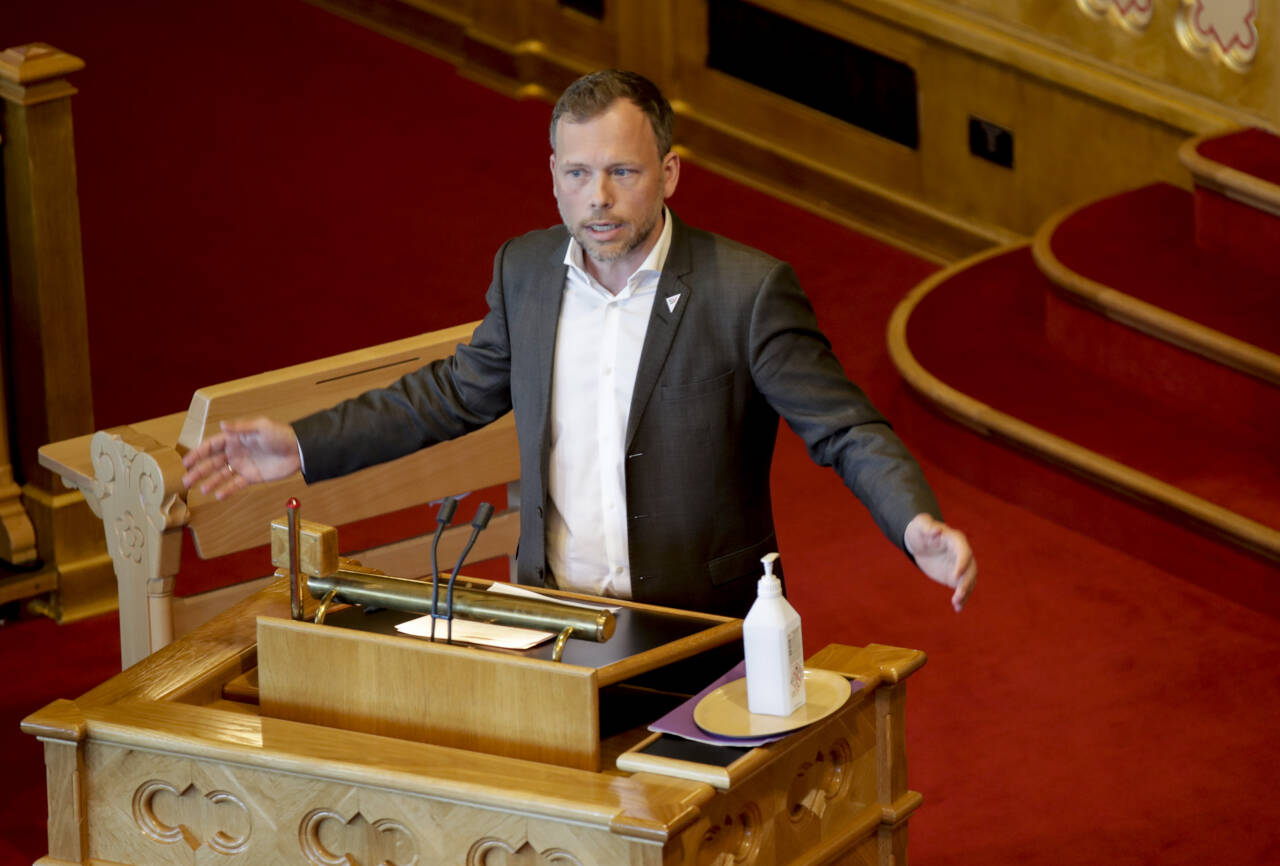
483,513
443,516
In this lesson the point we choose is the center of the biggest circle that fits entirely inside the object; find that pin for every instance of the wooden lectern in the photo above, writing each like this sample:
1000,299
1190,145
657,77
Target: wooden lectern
261,740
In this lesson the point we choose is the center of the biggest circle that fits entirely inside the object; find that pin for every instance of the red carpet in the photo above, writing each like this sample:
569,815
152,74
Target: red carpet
1087,706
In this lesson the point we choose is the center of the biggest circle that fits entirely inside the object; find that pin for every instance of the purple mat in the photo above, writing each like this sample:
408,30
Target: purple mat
680,720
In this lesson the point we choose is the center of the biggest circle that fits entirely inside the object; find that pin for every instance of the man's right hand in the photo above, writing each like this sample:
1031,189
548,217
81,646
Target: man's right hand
246,451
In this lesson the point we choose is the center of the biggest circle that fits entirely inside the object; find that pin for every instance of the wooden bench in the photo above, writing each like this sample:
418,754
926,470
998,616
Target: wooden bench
132,479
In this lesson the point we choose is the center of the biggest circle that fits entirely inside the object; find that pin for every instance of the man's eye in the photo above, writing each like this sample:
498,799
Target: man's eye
621,172
575,172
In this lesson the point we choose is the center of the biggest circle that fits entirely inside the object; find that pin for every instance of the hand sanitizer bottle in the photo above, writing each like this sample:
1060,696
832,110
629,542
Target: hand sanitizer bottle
773,648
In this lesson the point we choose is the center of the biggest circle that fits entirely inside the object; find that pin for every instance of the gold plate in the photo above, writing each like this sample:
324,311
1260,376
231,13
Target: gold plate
724,712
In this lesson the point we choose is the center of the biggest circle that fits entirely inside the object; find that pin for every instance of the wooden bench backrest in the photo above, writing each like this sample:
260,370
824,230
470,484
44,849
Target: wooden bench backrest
481,459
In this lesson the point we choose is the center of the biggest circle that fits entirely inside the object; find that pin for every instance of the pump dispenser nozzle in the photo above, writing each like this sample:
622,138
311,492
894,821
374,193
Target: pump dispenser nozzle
769,585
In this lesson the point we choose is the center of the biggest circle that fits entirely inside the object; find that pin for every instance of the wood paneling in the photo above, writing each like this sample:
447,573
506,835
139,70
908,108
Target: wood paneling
429,692
1048,72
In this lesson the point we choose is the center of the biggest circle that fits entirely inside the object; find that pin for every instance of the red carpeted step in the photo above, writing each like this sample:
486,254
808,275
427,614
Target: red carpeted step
1003,360
1142,243
1168,375
1254,152
1238,231
1237,177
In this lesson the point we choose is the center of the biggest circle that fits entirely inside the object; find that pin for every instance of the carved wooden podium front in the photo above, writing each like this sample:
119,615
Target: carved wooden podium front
175,762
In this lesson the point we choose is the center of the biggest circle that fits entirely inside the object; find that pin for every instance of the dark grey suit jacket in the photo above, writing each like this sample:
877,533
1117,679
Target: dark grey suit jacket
741,348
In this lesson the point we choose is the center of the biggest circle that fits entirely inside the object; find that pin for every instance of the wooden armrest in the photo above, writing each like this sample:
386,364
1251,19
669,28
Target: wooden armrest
71,458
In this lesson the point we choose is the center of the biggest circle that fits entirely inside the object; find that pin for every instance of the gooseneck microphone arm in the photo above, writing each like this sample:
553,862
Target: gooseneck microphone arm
443,516
483,513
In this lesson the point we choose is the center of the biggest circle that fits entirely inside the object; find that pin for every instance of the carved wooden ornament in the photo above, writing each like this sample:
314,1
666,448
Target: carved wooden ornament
1225,29
1131,14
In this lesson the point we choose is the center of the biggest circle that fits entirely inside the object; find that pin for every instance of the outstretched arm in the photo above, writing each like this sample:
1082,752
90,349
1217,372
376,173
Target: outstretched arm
246,451
944,555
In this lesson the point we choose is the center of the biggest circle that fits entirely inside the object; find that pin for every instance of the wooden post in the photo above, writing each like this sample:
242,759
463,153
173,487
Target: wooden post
47,351
61,727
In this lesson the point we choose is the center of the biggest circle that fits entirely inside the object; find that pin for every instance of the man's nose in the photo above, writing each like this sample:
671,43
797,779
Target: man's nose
602,192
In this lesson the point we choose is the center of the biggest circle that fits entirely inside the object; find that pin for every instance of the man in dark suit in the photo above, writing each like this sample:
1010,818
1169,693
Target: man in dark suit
647,364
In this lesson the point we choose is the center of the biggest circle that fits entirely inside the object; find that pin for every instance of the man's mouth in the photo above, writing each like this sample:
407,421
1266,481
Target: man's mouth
602,228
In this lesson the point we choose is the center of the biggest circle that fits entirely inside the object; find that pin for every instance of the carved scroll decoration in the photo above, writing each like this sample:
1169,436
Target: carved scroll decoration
525,855
1131,14
137,492
17,535
819,782
1226,29
386,842
202,808
735,841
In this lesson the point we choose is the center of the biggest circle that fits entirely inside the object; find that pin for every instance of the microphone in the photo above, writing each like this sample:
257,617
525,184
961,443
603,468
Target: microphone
483,513
443,516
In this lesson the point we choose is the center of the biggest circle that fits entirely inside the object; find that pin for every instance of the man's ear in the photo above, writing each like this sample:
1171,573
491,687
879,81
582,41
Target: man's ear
670,173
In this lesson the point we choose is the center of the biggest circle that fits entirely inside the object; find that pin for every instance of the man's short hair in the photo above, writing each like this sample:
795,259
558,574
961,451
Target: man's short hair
592,94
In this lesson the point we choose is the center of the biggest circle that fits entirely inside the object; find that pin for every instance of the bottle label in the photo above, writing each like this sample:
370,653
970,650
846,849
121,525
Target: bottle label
795,657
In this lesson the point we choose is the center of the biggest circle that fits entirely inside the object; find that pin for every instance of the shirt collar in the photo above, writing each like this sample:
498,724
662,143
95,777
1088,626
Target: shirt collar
653,263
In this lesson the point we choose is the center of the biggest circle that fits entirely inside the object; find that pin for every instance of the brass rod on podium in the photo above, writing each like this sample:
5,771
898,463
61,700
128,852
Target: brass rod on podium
412,596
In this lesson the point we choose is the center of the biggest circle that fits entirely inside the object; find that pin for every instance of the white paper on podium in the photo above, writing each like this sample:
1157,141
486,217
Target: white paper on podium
480,633
524,592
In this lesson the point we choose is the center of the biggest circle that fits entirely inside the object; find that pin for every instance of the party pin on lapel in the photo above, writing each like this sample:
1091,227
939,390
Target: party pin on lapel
671,303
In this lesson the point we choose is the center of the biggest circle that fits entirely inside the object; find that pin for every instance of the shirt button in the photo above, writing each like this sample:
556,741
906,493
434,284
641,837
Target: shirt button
618,570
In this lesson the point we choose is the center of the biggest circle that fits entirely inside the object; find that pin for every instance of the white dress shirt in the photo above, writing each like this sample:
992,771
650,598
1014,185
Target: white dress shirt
598,343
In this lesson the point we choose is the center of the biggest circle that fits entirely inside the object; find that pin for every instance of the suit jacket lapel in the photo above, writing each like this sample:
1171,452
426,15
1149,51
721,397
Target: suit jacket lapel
663,323
549,294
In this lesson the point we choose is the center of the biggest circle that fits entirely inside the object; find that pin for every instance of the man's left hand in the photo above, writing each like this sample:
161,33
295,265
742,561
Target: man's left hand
944,555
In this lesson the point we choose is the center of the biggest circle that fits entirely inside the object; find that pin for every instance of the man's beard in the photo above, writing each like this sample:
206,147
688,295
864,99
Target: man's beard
611,251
